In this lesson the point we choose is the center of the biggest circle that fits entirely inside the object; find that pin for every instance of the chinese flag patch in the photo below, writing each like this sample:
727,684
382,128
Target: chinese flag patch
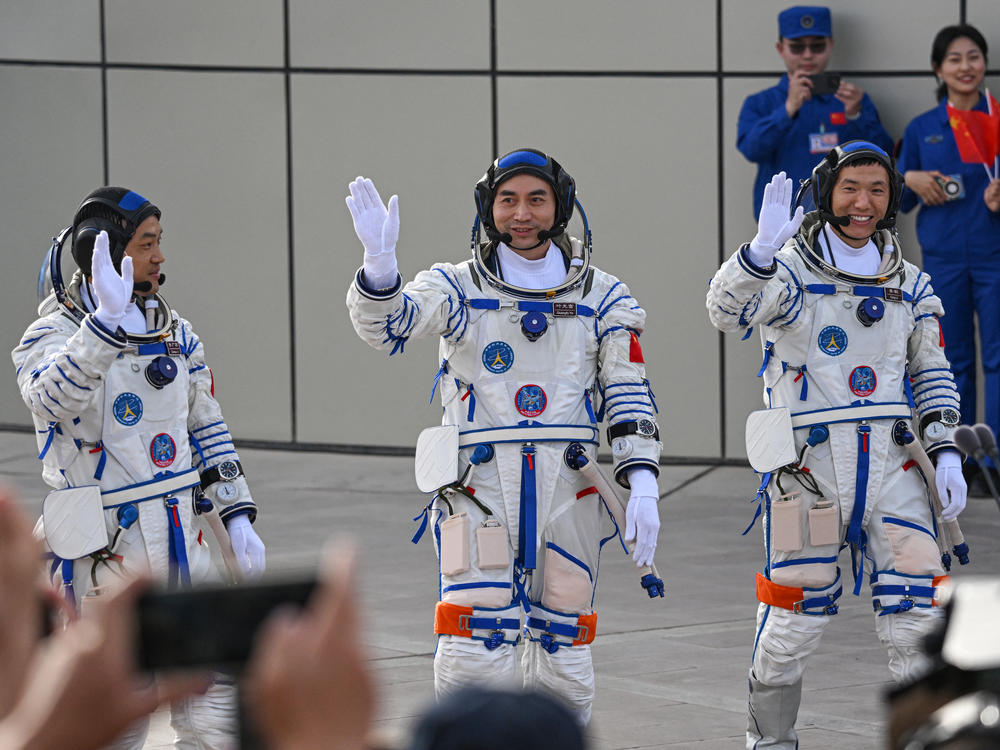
838,118
940,333
634,350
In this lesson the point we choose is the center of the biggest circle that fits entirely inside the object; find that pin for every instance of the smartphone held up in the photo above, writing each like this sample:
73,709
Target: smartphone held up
824,83
209,627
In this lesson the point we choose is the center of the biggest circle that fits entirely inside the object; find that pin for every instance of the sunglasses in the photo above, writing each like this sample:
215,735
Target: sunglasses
798,48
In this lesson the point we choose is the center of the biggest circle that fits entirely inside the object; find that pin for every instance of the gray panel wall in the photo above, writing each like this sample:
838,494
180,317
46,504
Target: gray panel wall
244,120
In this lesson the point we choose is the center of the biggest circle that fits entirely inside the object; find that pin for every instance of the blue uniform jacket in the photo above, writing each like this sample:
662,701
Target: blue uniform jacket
769,137
965,223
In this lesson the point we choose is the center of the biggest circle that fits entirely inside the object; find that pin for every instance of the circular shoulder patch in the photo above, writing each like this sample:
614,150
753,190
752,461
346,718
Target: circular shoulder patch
863,381
498,357
162,450
127,408
530,400
833,340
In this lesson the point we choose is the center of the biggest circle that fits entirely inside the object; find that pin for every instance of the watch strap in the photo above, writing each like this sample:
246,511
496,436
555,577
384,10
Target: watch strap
628,428
212,475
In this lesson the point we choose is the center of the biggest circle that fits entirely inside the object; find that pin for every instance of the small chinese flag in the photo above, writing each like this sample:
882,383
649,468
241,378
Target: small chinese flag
977,134
634,350
838,118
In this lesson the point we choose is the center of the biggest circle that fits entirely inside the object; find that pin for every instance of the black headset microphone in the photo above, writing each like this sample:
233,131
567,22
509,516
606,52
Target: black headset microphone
147,286
970,443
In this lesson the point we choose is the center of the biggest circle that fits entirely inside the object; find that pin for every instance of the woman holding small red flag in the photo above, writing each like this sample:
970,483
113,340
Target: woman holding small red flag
948,158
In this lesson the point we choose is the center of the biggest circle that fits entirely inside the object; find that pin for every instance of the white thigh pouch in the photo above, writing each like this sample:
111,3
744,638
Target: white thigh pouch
785,524
455,533
914,549
568,585
770,442
476,559
73,521
811,572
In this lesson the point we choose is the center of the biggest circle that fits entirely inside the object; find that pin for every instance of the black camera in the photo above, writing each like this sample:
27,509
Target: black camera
952,188
209,627
824,83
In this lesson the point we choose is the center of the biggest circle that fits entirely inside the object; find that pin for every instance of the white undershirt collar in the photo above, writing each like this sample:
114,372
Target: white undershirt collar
859,261
545,273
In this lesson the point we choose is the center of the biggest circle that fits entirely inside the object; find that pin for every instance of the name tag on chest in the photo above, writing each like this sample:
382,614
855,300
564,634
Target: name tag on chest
821,143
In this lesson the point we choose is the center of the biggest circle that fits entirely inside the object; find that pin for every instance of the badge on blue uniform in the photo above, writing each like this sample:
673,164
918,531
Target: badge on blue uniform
498,357
530,400
127,409
832,340
823,143
863,381
162,450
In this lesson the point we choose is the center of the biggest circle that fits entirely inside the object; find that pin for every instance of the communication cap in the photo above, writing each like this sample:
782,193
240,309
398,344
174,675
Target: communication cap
804,20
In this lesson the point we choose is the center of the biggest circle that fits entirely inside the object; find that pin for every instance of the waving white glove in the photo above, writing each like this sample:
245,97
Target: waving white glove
378,229
642,515
951,485
247,547
113,290
773,225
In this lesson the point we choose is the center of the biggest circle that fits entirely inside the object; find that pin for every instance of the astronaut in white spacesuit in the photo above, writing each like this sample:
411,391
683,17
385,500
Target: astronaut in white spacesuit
130,434
855,378
532,338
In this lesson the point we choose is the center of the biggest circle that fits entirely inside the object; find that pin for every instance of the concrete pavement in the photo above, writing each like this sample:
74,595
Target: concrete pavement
671,673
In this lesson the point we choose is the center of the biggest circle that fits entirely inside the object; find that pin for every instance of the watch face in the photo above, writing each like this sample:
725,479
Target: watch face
645,427
225,491
621,448
949,416
935,431
228,470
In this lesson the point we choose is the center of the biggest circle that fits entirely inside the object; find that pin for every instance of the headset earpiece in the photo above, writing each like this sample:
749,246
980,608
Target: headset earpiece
84,237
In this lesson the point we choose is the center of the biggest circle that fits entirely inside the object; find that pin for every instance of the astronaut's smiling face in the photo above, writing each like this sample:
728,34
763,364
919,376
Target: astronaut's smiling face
861,193
144,250
524,206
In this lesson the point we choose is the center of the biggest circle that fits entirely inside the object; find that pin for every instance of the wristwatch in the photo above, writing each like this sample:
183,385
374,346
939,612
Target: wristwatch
226,471
934,424
643,427
226,491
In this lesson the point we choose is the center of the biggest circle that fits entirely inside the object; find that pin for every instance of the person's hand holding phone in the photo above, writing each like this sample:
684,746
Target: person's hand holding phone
84,689
307,680
20,609
851,95
799,91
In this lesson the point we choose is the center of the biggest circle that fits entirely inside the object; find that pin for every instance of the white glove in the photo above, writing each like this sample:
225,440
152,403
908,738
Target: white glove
773,225
113,290
378,229
642,515
247,547
951,485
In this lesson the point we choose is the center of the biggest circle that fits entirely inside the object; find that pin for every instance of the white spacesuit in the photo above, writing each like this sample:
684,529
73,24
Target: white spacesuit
839,349
132,420
519,373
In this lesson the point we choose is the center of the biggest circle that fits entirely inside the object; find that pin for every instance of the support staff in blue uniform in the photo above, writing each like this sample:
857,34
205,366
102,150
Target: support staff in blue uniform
958,224
788,127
